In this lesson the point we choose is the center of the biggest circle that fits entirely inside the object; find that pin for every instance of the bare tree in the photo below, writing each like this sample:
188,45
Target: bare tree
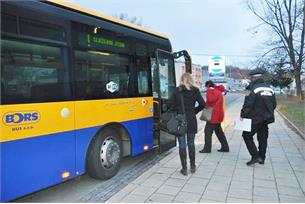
286,20
133,20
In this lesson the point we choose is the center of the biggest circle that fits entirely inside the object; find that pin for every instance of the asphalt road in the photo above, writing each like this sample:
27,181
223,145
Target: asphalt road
231,97
86,189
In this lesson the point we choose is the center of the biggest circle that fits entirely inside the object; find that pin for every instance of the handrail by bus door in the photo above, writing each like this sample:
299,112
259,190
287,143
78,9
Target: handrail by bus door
187,58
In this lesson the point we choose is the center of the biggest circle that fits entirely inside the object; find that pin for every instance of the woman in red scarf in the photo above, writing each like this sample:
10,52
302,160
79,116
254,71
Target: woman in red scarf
214,99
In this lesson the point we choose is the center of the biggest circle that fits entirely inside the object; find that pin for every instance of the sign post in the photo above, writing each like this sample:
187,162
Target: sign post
217,68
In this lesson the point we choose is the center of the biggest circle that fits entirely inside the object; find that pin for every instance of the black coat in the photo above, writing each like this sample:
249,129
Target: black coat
259,105
190,98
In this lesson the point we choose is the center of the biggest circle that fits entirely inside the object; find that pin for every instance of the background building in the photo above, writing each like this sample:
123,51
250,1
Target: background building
196,73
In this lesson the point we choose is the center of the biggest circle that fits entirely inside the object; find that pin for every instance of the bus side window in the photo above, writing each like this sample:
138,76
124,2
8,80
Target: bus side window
109,74
2,92
143,83
154,76
142,68
32,72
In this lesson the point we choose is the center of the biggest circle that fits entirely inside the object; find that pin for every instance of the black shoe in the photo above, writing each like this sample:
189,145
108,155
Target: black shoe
254,160
193,169
183,172
263,157
204,151
223,150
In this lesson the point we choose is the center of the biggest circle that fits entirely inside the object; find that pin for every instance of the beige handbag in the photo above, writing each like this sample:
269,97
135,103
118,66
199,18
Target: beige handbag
206,114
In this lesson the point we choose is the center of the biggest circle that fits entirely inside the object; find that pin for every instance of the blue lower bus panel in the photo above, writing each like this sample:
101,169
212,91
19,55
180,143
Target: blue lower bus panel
32,164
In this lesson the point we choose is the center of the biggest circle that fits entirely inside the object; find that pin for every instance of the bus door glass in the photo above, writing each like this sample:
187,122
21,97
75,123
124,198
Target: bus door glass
163,75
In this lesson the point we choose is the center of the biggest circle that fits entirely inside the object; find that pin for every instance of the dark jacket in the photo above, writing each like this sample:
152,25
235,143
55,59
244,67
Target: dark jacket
190,97
259,105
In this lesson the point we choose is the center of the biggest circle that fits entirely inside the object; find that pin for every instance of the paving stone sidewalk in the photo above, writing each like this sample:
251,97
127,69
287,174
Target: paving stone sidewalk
224,177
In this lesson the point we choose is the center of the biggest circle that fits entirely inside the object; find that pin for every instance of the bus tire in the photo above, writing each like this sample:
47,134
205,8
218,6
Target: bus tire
105,155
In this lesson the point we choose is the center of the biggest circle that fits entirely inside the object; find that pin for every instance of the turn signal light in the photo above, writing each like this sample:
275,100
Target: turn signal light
65,175
146,147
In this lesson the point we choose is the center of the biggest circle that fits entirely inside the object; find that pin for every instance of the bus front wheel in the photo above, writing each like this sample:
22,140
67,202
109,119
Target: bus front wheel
105,155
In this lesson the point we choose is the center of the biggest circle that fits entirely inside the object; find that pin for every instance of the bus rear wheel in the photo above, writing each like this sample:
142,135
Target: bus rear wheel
104,157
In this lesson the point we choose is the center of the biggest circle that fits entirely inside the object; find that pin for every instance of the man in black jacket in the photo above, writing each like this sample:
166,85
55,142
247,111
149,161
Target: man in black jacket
259,106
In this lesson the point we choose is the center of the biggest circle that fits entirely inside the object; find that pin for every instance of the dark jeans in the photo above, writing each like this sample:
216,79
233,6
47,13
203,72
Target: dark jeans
262,137
190,140
208,131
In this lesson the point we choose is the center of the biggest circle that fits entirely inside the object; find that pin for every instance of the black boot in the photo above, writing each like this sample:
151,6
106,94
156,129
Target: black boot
262,161
204,151
182,153
223,150
254,160
192,158
263,157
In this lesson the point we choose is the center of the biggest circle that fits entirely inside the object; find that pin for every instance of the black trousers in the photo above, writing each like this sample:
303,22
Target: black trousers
208,131
262,137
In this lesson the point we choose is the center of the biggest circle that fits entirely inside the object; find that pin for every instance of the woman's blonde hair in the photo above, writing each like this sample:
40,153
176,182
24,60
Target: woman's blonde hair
187,81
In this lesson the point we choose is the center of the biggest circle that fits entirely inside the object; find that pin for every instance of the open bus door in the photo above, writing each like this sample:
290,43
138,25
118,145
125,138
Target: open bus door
164,84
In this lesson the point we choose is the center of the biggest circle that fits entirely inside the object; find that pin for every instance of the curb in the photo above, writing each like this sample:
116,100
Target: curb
299,132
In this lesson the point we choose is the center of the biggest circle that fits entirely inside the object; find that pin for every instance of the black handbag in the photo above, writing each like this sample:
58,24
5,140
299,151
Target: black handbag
173,122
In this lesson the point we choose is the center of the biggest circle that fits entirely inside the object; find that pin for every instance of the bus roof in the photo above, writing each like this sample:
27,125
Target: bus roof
104,17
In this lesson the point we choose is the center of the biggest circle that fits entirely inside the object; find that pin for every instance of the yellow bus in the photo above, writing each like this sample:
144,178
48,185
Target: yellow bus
79,91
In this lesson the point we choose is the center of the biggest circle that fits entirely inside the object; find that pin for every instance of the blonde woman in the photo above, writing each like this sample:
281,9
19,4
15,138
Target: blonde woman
191,95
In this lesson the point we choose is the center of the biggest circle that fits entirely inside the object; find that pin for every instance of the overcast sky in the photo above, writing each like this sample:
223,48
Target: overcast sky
203,27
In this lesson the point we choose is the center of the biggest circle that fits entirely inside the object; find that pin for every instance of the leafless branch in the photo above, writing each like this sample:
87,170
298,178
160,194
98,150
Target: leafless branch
283,17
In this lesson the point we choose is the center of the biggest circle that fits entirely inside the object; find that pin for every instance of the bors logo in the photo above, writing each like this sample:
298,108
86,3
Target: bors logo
21,118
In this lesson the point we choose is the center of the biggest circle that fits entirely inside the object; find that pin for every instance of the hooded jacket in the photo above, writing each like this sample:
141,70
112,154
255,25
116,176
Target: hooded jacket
215,99
190,98
259,105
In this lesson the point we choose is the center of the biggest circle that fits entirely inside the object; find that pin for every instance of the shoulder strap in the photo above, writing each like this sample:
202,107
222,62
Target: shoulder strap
181,98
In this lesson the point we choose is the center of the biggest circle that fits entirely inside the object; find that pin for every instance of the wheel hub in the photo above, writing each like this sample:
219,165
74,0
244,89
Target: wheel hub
110,153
